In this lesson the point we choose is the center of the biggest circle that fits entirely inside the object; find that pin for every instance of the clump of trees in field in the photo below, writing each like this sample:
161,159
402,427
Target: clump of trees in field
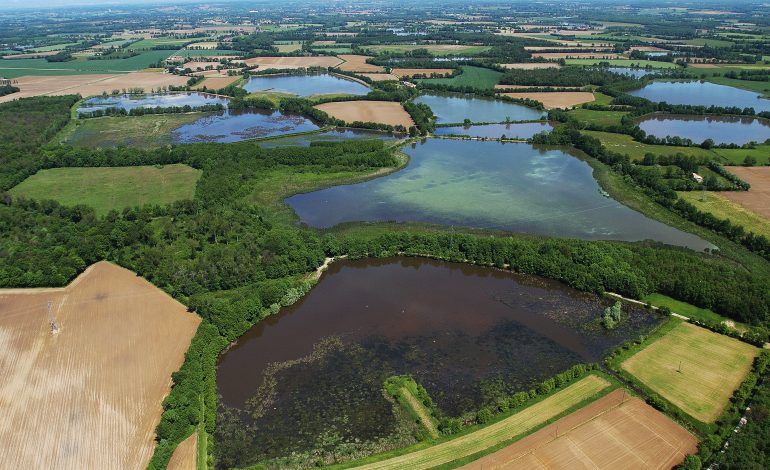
612,316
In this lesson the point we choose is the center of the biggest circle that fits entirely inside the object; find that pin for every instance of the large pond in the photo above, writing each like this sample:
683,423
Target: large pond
333,135
522,130
314,373
702,94
150,100
512,186
454,108
234,126
306,85
721,129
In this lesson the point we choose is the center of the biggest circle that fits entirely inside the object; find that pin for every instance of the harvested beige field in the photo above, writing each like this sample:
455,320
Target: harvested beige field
216,82
89,85
606,434
324,43
427,72
203,45
704,66
357,63
578,55
89,396
185,454
757,199
265,63
198,65
383,112
556,99
379,77
531,65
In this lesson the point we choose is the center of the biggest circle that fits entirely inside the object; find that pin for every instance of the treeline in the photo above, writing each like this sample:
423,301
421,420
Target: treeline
633,270
567,77
28,123
8,89
655,186
116,111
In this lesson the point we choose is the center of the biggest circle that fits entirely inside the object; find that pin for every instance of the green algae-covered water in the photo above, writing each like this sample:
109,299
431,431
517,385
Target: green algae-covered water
514,187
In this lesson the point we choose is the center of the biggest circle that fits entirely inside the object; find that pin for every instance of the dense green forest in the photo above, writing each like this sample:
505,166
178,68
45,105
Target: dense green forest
235,261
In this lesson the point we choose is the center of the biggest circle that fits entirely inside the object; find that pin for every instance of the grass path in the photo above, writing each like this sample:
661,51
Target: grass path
419,410
499,432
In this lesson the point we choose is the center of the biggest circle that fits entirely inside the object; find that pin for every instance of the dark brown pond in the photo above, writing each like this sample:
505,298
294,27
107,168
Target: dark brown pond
468,334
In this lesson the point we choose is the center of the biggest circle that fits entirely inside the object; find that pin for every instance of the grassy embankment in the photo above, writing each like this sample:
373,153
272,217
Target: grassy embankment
688,310
482,440
110,188
415,400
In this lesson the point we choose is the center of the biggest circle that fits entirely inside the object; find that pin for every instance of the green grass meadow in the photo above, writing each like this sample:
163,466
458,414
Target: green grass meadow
110,188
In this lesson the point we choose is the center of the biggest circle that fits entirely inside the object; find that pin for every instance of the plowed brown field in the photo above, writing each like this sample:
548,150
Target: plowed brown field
89,396
608,433
757,199
185,454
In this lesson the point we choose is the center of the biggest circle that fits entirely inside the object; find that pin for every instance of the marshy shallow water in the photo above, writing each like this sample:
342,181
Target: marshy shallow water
513,187
316,369
721,129
150,100
235,126
306,85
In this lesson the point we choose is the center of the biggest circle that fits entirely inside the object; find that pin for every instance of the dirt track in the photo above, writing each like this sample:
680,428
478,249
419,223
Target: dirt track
89,396
604,434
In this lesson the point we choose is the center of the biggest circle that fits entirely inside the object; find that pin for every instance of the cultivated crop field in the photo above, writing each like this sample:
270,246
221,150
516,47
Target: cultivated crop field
757,199
499,432
712,367
110,188
383,112
92,84
265,63
729,205
615,431
357,63
13,68
477,77
89,396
